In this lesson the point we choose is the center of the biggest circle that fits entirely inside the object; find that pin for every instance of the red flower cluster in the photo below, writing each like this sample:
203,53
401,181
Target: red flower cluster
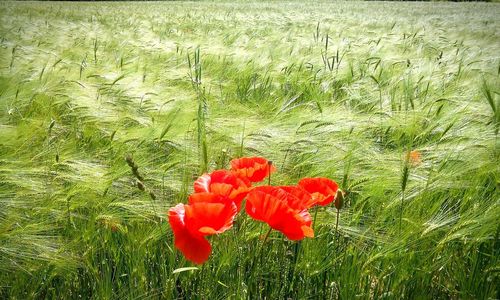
218,196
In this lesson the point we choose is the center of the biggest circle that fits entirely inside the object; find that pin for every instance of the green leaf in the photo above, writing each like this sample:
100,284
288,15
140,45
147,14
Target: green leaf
179,270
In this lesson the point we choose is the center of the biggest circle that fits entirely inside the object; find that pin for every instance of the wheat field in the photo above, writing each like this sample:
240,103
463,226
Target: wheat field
343,90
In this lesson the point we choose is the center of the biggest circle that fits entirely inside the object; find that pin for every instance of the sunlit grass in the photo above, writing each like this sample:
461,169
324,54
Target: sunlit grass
341,90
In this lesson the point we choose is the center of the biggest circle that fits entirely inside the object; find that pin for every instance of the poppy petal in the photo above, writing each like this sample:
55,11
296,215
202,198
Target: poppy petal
221,182
208,198
265,203
269,204
202,184
223,189
209,218
195,248
322,189
293,226
224,176
307,231
298,198
254,169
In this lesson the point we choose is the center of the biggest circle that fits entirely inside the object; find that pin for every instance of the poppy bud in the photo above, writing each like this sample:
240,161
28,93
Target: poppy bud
339,199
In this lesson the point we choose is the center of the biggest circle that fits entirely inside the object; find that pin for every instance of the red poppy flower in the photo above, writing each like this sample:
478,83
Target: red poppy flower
194,247
298,198
224,183
209,198
270,204
253,168
191,223
323,190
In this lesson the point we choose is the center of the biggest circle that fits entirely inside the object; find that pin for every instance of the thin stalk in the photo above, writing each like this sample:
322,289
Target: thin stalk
265,238
401,209
269,164
337,222
68,210
315,215
259,254
404,181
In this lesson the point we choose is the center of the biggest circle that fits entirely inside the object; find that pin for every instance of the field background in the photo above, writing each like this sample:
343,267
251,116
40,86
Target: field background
337,89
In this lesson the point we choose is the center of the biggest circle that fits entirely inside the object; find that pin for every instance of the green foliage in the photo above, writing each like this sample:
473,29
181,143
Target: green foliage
106,121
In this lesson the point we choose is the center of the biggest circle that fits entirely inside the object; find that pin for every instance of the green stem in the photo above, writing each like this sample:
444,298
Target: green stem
259,255
401,209
314,218
269,164
337,222
265,238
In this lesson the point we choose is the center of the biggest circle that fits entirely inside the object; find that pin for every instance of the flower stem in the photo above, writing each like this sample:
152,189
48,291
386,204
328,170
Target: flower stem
266,237
314,218
259,253
269,164
337,223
